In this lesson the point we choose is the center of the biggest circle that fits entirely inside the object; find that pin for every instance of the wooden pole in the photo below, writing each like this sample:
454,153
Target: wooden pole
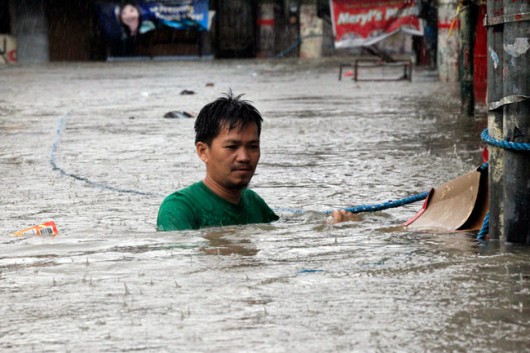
448,41
266,25
468,19
311,30
516,127
495,120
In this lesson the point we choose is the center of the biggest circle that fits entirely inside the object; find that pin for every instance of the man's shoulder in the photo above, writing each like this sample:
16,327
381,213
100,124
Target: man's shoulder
185,192
178,211
250,194
256,205
252,198
184,199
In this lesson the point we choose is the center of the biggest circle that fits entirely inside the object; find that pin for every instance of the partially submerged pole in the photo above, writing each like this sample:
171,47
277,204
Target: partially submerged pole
516,120
495,118
311,30
468,18
266,24
448,41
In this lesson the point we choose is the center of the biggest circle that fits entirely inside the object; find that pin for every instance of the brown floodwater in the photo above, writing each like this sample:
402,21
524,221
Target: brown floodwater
87,145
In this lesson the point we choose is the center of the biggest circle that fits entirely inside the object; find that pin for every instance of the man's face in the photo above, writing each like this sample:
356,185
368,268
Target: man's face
232,157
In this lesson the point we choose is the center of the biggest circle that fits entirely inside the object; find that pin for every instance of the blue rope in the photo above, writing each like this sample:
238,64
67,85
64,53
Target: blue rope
296,43
379,206
292,47
484,230
483,167
55,165
512,146
385,205
367,208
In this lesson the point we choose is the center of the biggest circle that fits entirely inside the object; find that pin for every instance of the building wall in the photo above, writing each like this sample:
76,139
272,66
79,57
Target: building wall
31,31
51,30
71,30
68,30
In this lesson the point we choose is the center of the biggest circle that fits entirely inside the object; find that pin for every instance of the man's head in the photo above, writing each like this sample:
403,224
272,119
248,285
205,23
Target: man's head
227,112
227,139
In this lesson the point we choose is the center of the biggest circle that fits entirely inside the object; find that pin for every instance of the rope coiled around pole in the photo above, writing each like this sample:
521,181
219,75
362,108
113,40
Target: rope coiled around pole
511,146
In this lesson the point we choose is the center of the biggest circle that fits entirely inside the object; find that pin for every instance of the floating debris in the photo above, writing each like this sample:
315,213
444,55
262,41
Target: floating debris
178,115
46,228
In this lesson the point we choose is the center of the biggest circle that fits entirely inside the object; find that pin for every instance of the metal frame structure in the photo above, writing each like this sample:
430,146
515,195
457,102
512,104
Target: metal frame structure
359,63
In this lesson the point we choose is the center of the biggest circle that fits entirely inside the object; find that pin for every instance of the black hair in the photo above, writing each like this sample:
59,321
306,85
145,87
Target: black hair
126,28
230,111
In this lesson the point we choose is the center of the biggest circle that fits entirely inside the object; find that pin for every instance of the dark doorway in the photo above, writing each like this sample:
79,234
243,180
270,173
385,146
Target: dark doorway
5,19
72,30
235,29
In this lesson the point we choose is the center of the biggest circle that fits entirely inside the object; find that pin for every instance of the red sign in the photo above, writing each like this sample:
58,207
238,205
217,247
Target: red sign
12,56
359,23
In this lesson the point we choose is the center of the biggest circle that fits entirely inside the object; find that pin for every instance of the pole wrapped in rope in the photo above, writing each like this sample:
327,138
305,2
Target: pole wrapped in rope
512,146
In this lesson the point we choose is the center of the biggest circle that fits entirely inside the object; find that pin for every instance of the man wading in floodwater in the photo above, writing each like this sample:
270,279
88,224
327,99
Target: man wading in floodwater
227,140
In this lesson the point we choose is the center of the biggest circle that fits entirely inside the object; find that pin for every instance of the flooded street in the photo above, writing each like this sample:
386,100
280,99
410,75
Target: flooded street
87,145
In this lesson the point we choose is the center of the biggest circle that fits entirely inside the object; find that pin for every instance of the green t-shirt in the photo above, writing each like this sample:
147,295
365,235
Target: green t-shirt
196,207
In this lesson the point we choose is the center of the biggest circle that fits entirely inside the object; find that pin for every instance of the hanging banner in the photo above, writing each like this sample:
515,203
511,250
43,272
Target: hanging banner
127,19
365,22
179,14
124,23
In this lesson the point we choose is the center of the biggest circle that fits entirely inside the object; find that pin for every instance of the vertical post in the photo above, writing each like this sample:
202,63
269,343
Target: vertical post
311,30
495,94
468,16
447,56
516,128
266,24
294,26
32,32
495,120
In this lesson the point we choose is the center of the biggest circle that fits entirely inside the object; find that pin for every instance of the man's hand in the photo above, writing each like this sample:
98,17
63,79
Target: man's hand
343,216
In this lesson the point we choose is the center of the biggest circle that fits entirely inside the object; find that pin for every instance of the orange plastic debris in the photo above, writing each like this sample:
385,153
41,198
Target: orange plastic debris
46,228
